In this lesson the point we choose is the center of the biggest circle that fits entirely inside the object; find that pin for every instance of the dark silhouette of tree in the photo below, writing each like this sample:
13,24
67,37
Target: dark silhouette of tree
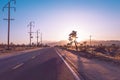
85,45
81,47
73,37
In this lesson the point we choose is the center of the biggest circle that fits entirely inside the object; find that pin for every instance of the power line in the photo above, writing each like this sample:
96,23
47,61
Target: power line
8,6
41,38
31,24
37,32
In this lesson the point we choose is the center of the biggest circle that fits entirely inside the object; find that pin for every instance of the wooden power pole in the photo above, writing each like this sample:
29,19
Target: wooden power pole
31,24
8,6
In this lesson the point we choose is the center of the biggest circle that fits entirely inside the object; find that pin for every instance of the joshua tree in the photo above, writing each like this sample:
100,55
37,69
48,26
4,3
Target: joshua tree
73,37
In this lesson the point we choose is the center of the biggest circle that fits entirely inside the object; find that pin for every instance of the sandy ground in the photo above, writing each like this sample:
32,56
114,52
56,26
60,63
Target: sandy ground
92,69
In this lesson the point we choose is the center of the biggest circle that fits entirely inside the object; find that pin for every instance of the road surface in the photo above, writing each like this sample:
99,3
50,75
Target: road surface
43,64
55,64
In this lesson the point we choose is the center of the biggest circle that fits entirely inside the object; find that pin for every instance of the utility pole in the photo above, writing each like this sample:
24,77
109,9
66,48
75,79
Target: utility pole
37,36
8,6
41,39
31,24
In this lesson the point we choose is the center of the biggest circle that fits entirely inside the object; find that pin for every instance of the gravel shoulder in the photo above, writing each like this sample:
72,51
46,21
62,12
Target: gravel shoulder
92,68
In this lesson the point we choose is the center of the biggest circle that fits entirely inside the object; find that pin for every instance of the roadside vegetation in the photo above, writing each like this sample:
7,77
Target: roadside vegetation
19,47
109,52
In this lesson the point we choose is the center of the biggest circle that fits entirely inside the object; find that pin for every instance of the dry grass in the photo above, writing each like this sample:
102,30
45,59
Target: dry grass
98,55
14,49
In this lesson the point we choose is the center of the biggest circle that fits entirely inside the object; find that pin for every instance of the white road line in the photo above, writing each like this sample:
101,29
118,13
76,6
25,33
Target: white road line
17,66
33,57
74,74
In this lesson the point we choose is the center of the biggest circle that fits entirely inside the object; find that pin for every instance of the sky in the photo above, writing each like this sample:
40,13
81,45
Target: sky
57,18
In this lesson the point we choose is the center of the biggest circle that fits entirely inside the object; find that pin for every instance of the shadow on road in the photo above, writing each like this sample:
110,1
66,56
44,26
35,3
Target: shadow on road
44,71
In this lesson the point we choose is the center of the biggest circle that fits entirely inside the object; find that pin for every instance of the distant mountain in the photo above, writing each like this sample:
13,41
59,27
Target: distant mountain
104,42
93,42
62,42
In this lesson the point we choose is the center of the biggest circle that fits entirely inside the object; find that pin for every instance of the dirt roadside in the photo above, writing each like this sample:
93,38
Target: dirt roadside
92,68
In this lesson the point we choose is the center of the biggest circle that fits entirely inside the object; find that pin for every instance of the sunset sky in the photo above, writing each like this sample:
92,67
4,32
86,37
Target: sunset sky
57,18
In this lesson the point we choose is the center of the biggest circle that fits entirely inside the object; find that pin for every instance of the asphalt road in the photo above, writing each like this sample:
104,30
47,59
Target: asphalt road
43,64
